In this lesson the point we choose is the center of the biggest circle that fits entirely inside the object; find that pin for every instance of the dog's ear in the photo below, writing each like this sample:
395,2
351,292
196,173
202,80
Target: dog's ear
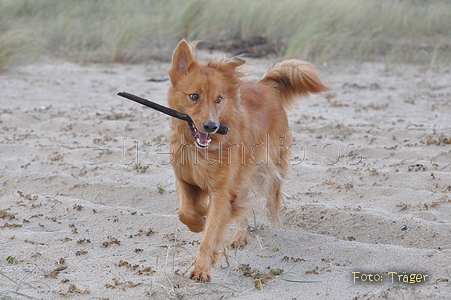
182,58
229,67
234,62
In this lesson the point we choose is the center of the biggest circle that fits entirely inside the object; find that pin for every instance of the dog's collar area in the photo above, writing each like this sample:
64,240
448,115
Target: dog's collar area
202,140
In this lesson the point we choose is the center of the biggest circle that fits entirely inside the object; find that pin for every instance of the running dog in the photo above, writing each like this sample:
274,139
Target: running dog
216,173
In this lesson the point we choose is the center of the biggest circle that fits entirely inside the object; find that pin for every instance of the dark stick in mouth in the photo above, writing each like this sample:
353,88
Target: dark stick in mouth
166,110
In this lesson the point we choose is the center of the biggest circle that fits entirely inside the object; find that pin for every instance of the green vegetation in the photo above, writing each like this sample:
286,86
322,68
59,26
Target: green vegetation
17,286
136,30
11,259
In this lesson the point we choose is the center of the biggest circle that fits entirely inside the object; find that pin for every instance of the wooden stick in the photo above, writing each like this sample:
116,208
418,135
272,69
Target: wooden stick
166,110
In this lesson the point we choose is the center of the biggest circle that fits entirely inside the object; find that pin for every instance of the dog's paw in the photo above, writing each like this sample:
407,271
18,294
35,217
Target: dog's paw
238,241
194,222
200,275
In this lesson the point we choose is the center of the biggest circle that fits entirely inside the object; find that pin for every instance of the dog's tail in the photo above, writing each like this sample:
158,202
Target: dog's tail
291,78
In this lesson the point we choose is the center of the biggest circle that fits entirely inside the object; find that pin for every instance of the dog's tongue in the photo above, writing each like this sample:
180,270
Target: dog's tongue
203,138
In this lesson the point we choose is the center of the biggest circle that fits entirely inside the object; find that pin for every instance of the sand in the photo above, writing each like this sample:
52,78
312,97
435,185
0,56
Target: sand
88,208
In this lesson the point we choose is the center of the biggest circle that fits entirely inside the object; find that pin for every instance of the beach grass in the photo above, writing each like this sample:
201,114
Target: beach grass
411,31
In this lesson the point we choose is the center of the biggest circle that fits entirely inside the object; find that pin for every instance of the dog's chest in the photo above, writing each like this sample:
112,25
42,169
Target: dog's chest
200,167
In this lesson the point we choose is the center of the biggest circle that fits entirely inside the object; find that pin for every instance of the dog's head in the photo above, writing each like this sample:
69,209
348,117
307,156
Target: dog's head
203,91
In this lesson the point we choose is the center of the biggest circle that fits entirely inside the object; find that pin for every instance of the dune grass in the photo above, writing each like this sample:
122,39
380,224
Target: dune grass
133,31
11,44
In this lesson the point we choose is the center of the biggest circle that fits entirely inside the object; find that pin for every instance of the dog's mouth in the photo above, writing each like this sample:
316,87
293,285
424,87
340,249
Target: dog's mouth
202,140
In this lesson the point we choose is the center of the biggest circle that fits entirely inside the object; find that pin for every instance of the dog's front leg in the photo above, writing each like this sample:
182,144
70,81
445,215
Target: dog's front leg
219,215
193,205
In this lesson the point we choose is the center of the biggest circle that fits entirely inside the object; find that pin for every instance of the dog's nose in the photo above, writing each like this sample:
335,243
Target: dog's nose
210,126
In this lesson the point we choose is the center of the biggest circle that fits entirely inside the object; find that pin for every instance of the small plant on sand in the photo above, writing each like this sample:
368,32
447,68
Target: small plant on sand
11,259
17,286
261,278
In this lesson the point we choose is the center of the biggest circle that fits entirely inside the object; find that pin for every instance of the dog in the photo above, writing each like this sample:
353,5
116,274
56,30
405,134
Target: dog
215,174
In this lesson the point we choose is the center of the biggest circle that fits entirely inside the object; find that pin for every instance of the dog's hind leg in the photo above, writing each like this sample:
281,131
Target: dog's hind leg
274,200
275,178
240,206
193,205
239,239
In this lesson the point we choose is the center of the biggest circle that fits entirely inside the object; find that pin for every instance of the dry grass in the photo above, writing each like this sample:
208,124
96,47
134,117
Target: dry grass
135,31
12,44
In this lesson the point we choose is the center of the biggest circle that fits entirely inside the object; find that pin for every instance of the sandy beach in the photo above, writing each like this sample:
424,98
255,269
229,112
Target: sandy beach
88,208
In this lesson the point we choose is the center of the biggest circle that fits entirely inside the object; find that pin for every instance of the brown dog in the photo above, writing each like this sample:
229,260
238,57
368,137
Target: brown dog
215,173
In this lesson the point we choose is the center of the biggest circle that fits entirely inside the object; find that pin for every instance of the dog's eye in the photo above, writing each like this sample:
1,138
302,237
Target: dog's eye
219,100
194,97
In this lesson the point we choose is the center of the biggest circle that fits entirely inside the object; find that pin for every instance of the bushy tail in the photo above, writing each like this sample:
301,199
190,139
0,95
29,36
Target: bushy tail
291,78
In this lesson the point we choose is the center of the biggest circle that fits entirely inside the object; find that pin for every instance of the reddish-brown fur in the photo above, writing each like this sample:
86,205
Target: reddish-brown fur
213,184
